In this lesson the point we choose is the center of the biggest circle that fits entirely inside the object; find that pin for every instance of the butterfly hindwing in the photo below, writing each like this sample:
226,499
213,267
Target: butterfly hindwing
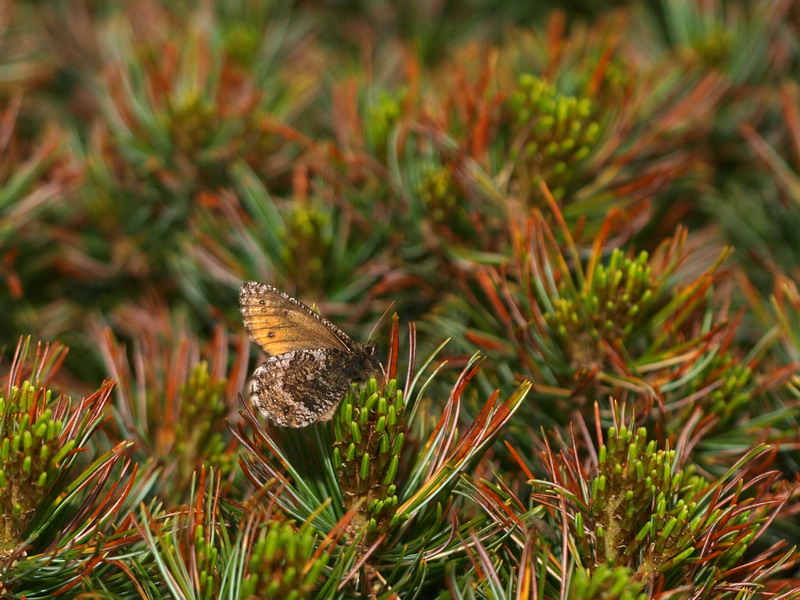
279,324
301,387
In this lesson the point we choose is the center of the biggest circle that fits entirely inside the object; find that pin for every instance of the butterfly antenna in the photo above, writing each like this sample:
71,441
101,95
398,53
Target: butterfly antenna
378,322
371,333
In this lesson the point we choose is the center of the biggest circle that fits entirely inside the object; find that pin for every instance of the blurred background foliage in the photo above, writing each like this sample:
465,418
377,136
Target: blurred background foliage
597,204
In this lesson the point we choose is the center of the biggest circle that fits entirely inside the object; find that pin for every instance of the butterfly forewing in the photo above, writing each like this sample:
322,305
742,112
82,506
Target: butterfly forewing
279,324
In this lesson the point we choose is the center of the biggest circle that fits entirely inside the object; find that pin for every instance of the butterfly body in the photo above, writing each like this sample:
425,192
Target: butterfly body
310,362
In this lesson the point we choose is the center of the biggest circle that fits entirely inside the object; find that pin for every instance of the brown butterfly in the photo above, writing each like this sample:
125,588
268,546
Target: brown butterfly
310,362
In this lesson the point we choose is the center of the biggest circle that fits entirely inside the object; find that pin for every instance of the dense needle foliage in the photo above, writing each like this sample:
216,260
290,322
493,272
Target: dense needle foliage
571,228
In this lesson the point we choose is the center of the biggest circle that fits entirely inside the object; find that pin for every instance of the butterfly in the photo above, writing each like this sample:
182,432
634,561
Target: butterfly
310,361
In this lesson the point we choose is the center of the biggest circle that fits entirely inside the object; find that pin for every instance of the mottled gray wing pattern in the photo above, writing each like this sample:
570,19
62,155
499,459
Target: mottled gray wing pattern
301,387
279,324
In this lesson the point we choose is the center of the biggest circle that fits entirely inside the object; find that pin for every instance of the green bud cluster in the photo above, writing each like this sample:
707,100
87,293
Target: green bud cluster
189,123
726,399
605,583
204,557
31,456
614,84
557,132
452,215
207,557
640,504
439,193
241,41
382,115
197,430
191,120
607,310
282,565
714,48
305,244
199,121
370,431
